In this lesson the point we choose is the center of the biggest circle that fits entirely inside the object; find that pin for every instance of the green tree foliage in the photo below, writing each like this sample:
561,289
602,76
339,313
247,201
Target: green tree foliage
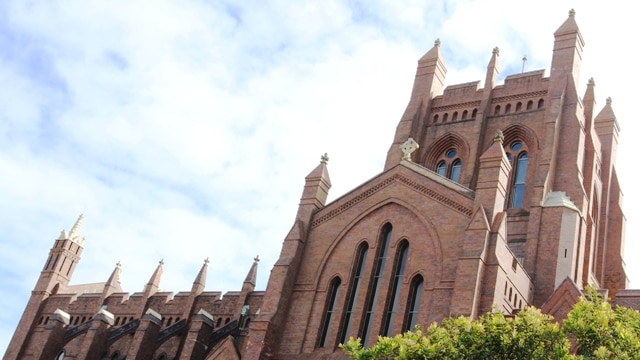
597,331
603,332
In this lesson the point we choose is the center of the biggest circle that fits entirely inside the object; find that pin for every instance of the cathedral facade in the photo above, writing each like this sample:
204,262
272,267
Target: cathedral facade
492,196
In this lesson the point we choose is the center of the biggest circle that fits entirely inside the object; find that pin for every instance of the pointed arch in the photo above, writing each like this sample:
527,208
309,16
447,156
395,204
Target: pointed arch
444,143
393,303
413,302
324,340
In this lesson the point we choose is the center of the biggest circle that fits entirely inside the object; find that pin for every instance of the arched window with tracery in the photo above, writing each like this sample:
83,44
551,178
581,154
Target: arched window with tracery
519,158
353,292
330,307
450,165
413,302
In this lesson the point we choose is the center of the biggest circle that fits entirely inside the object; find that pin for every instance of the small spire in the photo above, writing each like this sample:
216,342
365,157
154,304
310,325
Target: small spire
113,283
572,13
154,282
253,273
201,279
324,159
499,136
63,235
75,230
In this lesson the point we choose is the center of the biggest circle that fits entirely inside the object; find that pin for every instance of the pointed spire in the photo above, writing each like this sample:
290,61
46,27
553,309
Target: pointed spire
201,280
250,280
154,282
317,184
113,283
569,25
433,54
589,101
74,233
492,69
63,235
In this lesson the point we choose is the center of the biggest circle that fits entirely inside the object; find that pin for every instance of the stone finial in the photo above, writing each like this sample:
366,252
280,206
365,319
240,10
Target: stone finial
572,13
496,51
161,262
119,264
63,235
206,261
609,100
324,159
436,43
256,259
408,147
591,82
499,136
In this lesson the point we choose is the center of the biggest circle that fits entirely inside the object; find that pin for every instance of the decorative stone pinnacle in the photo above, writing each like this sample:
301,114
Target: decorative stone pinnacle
496,51
437,43
324,159
499,136
206,261
572,13
591,82
256,259
118,264
408,147
609,100
161,262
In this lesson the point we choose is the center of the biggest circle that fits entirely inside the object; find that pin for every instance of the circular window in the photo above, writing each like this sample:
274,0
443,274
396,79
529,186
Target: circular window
451,153
516,145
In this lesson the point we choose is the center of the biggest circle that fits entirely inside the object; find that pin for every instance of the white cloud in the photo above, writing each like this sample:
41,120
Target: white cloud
185,130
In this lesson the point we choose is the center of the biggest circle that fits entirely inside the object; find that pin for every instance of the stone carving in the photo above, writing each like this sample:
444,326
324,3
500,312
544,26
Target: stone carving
409,147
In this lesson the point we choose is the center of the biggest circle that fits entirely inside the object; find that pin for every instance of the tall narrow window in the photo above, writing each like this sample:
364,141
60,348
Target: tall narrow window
332,295
396,281
354,290
456,166
518,183
413,306
378,270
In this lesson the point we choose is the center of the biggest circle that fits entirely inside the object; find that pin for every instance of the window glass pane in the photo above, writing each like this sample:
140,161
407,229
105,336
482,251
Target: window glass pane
353,293
442,168
417,286
451,153
455,170
395,290
334,289
519,180
375,288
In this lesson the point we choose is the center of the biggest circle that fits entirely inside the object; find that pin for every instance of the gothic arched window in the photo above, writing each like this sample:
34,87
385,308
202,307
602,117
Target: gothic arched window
394,290
332,295
519,158
376,282
354,290
413,305
450,166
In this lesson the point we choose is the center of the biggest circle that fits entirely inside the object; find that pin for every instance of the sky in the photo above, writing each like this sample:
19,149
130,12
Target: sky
184,130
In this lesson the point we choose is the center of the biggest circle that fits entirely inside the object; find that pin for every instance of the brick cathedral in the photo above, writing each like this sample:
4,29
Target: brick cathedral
492,195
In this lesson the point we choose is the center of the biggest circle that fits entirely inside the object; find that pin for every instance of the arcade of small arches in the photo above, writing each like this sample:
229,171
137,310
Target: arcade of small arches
497,110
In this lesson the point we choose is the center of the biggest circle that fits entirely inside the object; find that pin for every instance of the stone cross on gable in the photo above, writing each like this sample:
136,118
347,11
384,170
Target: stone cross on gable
408,147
